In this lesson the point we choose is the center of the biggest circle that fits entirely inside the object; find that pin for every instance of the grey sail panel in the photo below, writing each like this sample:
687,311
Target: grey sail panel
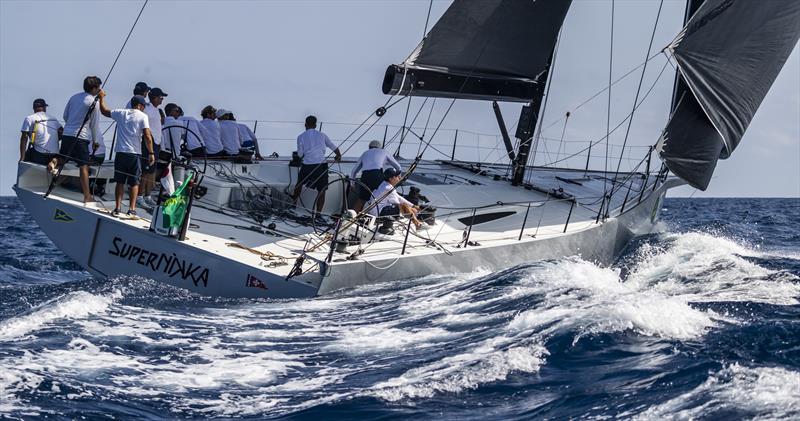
729,55
483,49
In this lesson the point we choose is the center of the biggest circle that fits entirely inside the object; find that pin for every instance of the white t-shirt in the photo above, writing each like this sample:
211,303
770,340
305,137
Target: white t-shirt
374,159
393,198
209,128
130,128
45,128
311,146
245,134
229,135
155,122
173,136
74,113
194,136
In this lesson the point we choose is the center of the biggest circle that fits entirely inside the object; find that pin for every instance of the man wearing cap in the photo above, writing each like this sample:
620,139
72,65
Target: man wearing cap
229,132
391,204
41,132
313,172
132,125
209,129
81,129
371,164
155,118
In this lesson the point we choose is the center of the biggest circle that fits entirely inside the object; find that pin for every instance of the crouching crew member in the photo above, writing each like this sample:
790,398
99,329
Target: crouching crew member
40,135
371,164
391,204
132,126
313,172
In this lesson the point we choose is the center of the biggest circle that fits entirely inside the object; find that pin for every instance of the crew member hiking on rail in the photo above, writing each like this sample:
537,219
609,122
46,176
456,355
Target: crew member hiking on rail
371,164
314,170
74,144
40,134
209,129
132,125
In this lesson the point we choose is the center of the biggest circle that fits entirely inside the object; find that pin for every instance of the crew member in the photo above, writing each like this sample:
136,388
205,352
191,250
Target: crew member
371,164
155,118
229,132
132,125
249,139
41,132
81,128
194,136
209,129
314,169
173,130
391,204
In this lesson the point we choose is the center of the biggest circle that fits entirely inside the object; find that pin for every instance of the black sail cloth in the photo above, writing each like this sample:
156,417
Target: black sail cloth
729,55
483,49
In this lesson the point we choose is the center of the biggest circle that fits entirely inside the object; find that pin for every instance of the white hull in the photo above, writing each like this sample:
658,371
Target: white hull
108,247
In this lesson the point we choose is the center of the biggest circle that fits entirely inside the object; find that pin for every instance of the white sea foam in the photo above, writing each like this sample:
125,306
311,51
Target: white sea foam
580,296
765,393
700,267
74,305
378,338
483,364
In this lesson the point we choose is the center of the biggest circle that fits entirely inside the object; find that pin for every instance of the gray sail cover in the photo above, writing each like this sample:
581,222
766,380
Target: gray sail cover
483,49
729,54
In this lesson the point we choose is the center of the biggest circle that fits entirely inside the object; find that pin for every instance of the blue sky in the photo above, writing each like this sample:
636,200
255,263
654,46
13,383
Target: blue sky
281,60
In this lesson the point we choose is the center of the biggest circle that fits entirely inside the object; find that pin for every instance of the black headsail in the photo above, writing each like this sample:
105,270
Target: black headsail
728,54
495,50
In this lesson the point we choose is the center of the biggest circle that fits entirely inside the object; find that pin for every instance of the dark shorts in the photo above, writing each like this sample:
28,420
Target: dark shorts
97,160
127,168
198,152
147,168
74,149
220,154
32,155
314,176
369,181
390,210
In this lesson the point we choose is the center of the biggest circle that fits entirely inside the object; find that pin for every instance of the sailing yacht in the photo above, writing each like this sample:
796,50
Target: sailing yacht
230,230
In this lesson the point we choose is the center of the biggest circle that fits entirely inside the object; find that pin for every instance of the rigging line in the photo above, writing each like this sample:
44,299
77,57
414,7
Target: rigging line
427,122
608,107
403,128
618,125
427,19
124,43
549,80
639,88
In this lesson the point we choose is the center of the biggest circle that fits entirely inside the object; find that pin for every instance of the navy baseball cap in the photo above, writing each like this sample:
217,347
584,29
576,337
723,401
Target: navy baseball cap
390,172
38,102
138,100
157,92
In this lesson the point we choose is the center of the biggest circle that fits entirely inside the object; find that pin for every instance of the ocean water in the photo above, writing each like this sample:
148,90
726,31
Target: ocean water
700,321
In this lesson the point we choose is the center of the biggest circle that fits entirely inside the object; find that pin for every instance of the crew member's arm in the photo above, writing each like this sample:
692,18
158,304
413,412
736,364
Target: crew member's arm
103,109
300,151
329,144
23,144
358,166
393,162
148,141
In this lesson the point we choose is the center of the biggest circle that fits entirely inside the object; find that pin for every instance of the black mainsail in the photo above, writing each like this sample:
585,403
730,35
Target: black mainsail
728,54
496,50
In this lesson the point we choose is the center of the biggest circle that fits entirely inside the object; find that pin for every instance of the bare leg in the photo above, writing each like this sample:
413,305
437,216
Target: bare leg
134,193
297,189
119,190
320,201
358,206
87,195
409,212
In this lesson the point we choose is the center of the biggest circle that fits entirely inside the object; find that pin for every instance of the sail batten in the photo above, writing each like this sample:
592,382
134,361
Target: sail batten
728,55
483,49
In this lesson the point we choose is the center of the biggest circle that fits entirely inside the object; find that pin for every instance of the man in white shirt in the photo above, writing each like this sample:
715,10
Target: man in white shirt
249,139
40,133
229,132
155,119
174,132
313,172
209,129
132,125
81,128
371,164
194,136
390,204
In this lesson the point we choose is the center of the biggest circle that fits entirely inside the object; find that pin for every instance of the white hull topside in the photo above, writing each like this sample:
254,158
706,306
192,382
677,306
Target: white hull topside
226,254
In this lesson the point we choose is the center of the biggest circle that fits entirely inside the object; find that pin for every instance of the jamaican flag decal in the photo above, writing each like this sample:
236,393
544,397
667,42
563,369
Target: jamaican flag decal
62,216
